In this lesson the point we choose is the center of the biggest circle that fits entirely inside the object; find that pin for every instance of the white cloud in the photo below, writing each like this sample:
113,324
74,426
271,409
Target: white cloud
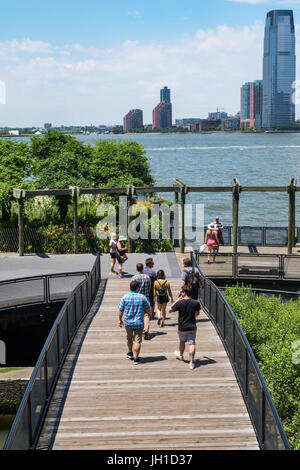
76,84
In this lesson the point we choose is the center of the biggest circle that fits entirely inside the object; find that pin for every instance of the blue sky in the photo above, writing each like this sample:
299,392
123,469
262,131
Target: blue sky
75,62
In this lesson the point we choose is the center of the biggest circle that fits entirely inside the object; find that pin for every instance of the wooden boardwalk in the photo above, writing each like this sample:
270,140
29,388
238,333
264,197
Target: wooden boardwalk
105,402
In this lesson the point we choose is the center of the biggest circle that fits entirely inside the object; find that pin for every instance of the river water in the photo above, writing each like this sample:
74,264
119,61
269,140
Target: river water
214,159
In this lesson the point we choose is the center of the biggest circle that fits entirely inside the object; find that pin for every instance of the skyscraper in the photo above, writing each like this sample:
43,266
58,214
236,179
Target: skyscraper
133,120
251,102
162,113
165,94
279,69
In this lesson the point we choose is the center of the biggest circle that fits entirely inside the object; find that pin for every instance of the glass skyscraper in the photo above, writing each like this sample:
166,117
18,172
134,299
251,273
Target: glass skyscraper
279,69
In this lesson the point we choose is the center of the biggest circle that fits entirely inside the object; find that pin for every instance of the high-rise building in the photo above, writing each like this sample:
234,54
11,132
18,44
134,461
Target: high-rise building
165,94
133,120
251,102
162,115
279,69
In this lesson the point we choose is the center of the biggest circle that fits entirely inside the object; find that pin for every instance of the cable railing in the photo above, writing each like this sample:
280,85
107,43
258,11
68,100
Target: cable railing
30,416
269,431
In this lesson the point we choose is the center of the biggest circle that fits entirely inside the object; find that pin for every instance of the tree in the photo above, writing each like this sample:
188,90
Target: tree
117,163
59,161
14,169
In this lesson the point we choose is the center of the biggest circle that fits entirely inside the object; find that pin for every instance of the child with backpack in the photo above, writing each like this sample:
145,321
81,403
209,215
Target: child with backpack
161,290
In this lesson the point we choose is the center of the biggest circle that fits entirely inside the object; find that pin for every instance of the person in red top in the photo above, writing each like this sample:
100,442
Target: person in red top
211,241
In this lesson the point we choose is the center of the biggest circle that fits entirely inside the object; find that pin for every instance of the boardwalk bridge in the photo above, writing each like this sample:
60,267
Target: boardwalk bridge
85,394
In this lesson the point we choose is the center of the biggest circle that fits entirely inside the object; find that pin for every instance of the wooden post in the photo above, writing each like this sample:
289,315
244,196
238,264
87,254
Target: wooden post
291,225
75,194
129,193
236,188
20,195
182,242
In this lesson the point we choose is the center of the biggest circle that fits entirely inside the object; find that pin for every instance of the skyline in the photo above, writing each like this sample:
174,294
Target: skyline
99,61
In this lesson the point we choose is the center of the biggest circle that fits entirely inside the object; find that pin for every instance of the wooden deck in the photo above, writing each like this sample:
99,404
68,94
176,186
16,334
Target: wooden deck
105,402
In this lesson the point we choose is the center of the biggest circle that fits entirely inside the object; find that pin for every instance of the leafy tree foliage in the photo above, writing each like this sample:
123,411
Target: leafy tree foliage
14,169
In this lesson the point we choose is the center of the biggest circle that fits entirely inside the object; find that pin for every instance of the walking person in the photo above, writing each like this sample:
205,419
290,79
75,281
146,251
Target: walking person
211,241
152,274
144,282
133,305
121,255
113,253
188,309
162,290
191,278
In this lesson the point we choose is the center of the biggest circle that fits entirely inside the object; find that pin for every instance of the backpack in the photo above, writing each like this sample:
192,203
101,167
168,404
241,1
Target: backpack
192,281
162,290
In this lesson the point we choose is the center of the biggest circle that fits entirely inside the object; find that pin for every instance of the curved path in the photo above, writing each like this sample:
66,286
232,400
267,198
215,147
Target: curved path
103,401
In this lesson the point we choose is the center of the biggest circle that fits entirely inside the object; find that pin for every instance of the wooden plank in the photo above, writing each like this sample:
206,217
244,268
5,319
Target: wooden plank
161,403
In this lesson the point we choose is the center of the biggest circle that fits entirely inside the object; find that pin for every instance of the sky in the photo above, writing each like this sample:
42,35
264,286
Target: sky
74,62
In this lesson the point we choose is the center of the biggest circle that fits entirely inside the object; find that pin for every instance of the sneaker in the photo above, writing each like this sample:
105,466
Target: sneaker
121,276
136,361
113,274
146,336
178,355
130,355
192,365
158,321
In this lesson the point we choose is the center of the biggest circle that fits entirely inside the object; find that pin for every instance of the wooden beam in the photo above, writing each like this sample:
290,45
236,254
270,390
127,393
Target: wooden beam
75,194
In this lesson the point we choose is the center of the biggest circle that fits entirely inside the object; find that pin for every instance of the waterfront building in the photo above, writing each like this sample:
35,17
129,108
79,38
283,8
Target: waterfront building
165,94
217,115
230,124
279,69
186,122
162,115
206,125
133,120
251,102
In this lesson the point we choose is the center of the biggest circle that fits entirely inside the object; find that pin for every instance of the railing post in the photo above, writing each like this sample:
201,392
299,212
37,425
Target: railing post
291,226
75,194
236,189
20,195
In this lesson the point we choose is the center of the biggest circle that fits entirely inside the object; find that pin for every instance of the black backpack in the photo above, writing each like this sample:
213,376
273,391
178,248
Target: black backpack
162,290
192,281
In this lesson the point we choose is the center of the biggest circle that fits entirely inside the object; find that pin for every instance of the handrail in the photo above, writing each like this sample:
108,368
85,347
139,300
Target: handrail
269,431
46,295
278,270
30,416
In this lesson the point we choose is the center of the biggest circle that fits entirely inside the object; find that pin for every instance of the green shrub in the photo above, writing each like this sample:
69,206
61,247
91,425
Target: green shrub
271,327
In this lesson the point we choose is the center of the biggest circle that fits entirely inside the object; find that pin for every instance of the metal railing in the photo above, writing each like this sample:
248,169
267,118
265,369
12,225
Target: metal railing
252,265
247,235
29,419
38,289
264,416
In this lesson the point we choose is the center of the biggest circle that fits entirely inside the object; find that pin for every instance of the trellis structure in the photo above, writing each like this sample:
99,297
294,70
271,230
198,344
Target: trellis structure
178,188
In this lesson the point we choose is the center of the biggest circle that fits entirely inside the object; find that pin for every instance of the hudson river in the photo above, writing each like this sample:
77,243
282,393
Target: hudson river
214,159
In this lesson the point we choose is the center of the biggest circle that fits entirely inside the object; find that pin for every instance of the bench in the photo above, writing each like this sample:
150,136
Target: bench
259,269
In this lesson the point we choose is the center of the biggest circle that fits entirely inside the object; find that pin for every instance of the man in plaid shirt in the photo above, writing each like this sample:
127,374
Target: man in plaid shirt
145,288
133,305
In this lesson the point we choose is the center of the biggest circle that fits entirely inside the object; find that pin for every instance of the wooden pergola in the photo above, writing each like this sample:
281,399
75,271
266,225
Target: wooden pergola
178,188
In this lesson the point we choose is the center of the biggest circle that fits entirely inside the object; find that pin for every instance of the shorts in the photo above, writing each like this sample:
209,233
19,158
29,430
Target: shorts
187,336
135,335
162,299
113,255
